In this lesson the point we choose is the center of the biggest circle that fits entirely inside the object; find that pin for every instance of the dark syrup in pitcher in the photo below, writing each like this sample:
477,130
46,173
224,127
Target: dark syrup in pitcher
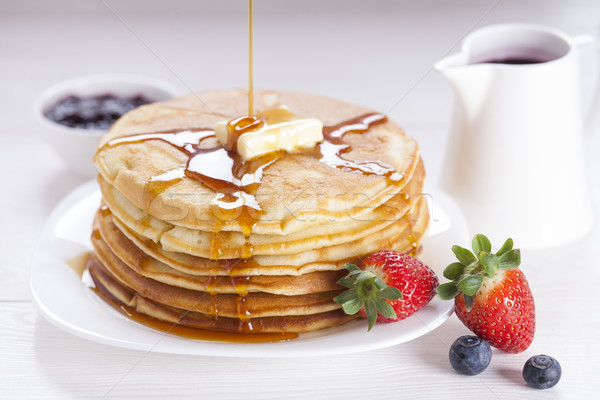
515,61
516,56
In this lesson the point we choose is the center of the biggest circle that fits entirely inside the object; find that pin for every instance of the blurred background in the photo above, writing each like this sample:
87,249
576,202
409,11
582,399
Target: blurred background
377,53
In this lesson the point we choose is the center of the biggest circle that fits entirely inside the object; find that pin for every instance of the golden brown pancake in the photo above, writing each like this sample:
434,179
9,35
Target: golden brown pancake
297,191
230,242
256,304
248,246
408,234
118,295
149,267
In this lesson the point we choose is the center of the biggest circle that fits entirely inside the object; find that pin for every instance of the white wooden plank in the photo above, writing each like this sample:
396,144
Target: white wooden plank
40,361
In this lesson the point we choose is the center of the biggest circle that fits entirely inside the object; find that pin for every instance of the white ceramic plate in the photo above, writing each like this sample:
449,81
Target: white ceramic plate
66,302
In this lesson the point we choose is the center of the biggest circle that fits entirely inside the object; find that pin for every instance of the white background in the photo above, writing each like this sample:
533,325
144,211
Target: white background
376,53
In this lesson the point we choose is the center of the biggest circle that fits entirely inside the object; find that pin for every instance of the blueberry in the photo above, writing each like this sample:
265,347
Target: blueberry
542,372
96,112
470,355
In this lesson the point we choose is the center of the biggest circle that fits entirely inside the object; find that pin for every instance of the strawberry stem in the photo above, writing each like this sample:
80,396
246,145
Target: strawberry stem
366,289
467,274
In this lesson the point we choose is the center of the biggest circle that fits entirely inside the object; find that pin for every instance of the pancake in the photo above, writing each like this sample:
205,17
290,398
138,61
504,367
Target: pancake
120,296
255,304
149,267
296,191
336,251
362,221
337,231
405,235
191,234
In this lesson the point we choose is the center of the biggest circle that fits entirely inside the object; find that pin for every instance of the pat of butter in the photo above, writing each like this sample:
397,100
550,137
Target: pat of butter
280,130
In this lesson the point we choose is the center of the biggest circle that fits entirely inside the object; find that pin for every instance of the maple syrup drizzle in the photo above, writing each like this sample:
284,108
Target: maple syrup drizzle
236,181
158,184
232,178
245,332
210,284
224,171
242,310
104,210
96,234
250,61
238,126
333,147
240,284
413,241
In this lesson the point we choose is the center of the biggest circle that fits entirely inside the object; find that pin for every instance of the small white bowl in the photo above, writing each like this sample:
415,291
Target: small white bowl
77,146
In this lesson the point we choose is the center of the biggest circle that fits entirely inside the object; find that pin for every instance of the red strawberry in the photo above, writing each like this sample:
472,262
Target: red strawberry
390,286
492,296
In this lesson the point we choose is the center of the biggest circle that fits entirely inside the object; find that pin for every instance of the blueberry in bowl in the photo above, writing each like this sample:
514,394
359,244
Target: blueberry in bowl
93,112
76,113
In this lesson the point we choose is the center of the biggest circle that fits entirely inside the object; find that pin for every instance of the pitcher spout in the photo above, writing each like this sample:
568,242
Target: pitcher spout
452,62
470,82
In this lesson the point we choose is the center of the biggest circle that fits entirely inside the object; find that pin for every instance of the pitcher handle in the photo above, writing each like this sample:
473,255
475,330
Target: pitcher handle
585,40
592,116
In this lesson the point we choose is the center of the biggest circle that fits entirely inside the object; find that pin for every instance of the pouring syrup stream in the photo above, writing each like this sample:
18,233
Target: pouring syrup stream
250,72
235,183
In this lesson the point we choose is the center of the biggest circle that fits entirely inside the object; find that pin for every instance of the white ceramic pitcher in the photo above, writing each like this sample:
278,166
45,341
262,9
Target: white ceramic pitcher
515,161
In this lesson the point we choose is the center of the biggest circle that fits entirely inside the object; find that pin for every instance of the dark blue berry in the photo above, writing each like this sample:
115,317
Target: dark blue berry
542,372
96,112
470,355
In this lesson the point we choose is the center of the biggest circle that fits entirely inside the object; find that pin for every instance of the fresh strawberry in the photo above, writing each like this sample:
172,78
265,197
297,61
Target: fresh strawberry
390,286
492,296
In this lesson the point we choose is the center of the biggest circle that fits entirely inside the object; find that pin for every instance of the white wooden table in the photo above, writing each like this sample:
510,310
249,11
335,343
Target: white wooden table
376,53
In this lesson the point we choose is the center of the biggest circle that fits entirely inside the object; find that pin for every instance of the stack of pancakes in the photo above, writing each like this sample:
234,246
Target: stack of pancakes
164,247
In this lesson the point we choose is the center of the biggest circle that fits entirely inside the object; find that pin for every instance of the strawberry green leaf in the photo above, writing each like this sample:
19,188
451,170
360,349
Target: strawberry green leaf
469,302
346,281
349,280
371,314
353,269
385,309
489,262
507,246
351,307
454,270
510,259
470,285
346,296
463,255
379,284
390,293
481,243
363,276
447,291
365,288
472,268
